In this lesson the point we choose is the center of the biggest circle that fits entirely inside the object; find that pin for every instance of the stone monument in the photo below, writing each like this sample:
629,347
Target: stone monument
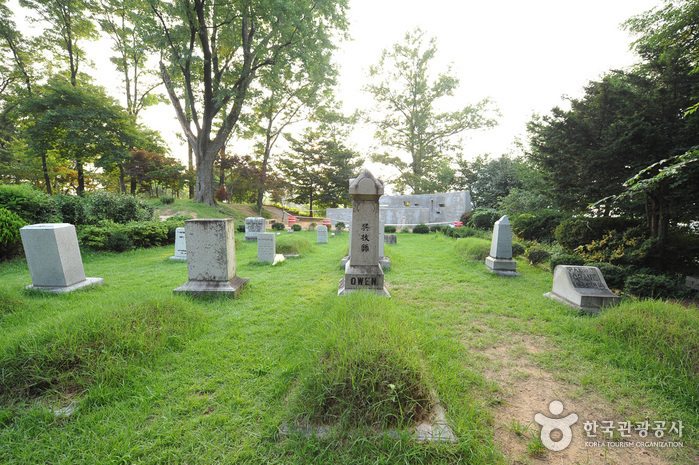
180,246
53,257
254,225
582,287
322,234
500,260
266,247
211,259
363,272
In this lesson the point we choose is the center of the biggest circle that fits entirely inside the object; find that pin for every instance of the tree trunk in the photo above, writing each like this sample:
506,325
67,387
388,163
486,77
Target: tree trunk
45,169
122,181
205,181
134,184
81,179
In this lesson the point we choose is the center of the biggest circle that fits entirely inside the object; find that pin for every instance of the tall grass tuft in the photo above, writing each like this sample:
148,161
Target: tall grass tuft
473,248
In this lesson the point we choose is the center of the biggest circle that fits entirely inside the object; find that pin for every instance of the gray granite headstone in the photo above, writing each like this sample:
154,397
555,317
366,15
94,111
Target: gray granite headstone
211,258
254,225
582,287
180,245
53,257
266,247
390,238
322,234
500,260
363,272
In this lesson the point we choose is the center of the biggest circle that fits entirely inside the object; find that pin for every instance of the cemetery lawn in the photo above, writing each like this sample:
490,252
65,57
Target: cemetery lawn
158,378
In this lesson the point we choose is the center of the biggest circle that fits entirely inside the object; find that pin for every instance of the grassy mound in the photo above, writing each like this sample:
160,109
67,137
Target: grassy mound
292,245
473,248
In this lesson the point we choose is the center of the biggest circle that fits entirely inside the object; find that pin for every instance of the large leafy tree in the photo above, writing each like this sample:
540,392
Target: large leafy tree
78,124
213,51
491,180
407,117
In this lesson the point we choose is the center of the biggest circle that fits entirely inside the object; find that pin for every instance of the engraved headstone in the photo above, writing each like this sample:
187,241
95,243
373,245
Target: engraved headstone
363,272
500,260
253,226
53,257
266,247
322,234
211,258
582,287
180,245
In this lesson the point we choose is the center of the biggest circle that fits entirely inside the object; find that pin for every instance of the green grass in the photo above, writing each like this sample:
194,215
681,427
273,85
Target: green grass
158,378
198,210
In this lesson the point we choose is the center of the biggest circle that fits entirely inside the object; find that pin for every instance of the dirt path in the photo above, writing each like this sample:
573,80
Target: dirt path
527,390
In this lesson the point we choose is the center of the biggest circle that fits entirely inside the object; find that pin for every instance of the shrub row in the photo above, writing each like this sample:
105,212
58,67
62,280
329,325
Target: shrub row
10,240
115,237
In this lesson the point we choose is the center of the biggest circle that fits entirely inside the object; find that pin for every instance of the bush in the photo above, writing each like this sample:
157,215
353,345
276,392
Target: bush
484,218
473,248
339,226
221,194
72,208
389,229
651,286
278,226
167,200
146,234
464,232
296,227
312,226
517,249
115,237
438,227
10,239
630,247
537,255
173,223
421,229
565,259
538,226
576,232
614,276
240,228
32,205
119,208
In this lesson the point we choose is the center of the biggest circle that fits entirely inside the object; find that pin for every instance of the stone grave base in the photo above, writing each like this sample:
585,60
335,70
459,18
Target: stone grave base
342,291
385,263
501,266
179,259
588,303
61,289
223,288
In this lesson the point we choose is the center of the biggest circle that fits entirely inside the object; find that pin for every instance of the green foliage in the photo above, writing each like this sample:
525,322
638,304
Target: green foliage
538,226
291,244
389,229
72,208
484,218
520,201
565,259
240,228
581,230
340,225
31,204
277,226
421,229
115,237
296,227
489,181
119,208
175,222
473,248
614,276
10,240
312,226
630,247
517,249
651,286
537,255
167,199
437,227
465,232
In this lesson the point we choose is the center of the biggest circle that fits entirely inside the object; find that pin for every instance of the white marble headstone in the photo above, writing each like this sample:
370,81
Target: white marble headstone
180,245
266,247
582,287
322,234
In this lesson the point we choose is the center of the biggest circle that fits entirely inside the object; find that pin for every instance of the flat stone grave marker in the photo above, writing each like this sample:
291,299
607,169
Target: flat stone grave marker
266,247
211,259
254,225
500,260
322,234
582,287
363,272
180,245
53,257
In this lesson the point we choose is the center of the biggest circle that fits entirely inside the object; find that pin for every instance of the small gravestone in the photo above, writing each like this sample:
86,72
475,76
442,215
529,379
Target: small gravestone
500,260
180,245
692,282
322,234
253,226
53,257
363,272
266,247
211,259
390,239
582,287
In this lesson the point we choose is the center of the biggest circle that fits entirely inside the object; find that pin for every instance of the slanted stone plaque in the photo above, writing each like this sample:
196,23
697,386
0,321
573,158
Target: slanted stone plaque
266,247
211,259
582,287
53,257
500,260
180,245
363,272
253,226
322,234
